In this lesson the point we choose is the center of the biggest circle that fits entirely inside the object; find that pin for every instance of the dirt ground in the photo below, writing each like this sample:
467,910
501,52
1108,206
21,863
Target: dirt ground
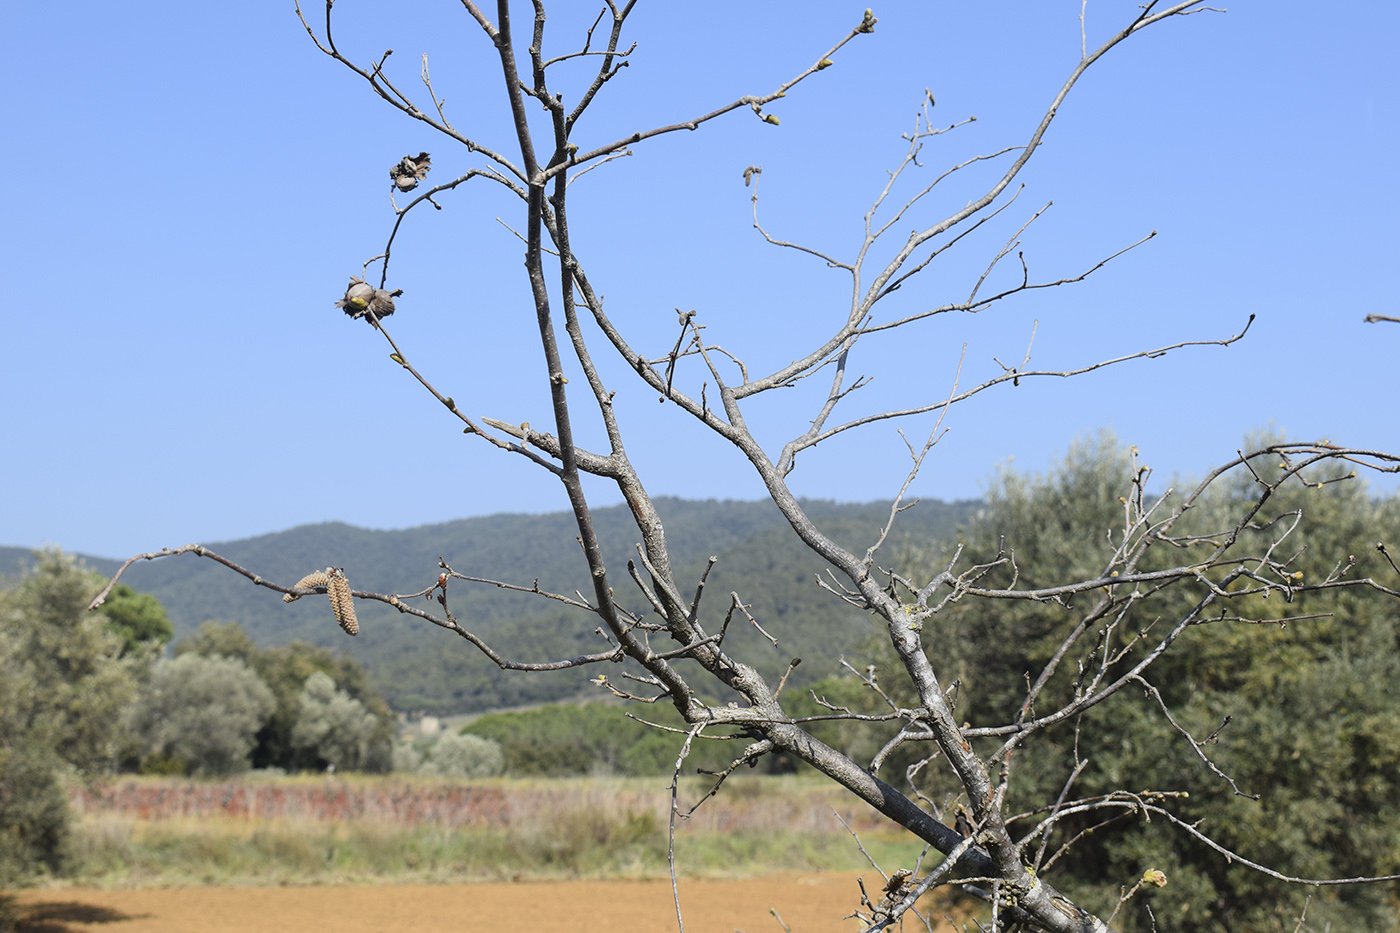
807,903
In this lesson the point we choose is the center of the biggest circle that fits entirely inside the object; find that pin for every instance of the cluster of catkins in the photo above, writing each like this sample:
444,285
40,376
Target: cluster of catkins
338,588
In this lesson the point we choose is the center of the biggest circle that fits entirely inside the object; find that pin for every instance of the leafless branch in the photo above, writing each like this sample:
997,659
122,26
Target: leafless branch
1195,746
1016,376
754,102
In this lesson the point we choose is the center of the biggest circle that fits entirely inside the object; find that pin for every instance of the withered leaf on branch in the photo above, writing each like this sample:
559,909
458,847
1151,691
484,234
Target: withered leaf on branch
410,170
361,298
897,882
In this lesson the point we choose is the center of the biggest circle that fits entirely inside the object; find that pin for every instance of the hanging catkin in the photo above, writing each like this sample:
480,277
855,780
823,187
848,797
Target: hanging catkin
341,603
317,578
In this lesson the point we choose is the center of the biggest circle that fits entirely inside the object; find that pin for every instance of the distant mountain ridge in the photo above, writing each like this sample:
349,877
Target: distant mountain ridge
417,666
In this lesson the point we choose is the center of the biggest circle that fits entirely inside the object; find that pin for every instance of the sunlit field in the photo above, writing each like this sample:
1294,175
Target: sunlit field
164,832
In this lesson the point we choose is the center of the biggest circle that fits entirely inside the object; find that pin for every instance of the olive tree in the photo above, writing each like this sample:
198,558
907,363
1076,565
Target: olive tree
664,641
464,755
202,713
333,724
65,678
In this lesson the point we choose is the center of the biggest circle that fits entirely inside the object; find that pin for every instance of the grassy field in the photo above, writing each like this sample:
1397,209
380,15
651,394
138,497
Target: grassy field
160,832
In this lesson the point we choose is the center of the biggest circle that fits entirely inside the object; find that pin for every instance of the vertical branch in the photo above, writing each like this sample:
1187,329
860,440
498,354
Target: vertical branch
534,266
671,826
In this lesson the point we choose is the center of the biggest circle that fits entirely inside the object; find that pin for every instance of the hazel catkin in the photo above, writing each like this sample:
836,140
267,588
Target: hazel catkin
338,588
316,578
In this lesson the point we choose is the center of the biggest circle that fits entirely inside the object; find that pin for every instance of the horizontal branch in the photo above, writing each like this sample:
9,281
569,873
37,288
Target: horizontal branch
615,654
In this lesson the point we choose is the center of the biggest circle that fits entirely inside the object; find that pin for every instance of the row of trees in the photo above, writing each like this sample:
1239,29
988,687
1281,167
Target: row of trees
84,695
298,707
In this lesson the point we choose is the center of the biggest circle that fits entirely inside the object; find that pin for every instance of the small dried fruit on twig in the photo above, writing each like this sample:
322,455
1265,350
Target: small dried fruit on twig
752,172
383,303
361,299
357,297
342,604
410,171
316,578
895,886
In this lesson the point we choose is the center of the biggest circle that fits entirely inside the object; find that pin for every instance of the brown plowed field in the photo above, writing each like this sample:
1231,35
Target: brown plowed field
807,904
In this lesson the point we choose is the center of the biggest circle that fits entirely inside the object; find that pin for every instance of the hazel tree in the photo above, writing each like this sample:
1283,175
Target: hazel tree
662,640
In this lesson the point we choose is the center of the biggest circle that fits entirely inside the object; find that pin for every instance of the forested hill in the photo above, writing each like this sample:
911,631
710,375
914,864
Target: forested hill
418,666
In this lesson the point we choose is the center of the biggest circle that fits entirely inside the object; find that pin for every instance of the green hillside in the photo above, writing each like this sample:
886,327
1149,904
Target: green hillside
418,666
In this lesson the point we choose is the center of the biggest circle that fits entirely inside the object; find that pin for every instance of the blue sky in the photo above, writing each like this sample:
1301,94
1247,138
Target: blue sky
192,184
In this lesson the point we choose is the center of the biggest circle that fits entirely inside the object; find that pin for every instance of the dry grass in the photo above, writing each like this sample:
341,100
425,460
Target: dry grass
161,832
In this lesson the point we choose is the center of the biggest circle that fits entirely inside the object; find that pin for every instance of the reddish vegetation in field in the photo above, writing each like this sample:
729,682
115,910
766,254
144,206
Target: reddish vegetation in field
450,805
494,804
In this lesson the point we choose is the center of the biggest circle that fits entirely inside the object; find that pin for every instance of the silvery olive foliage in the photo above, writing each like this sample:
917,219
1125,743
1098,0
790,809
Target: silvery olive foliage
65,677
333,724
464,756
203,712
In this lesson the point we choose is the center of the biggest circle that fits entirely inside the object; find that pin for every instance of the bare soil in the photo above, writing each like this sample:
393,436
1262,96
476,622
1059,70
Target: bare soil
807,904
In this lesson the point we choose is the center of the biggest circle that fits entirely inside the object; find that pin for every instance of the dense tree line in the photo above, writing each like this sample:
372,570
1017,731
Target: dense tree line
322,710
757,557
561,740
